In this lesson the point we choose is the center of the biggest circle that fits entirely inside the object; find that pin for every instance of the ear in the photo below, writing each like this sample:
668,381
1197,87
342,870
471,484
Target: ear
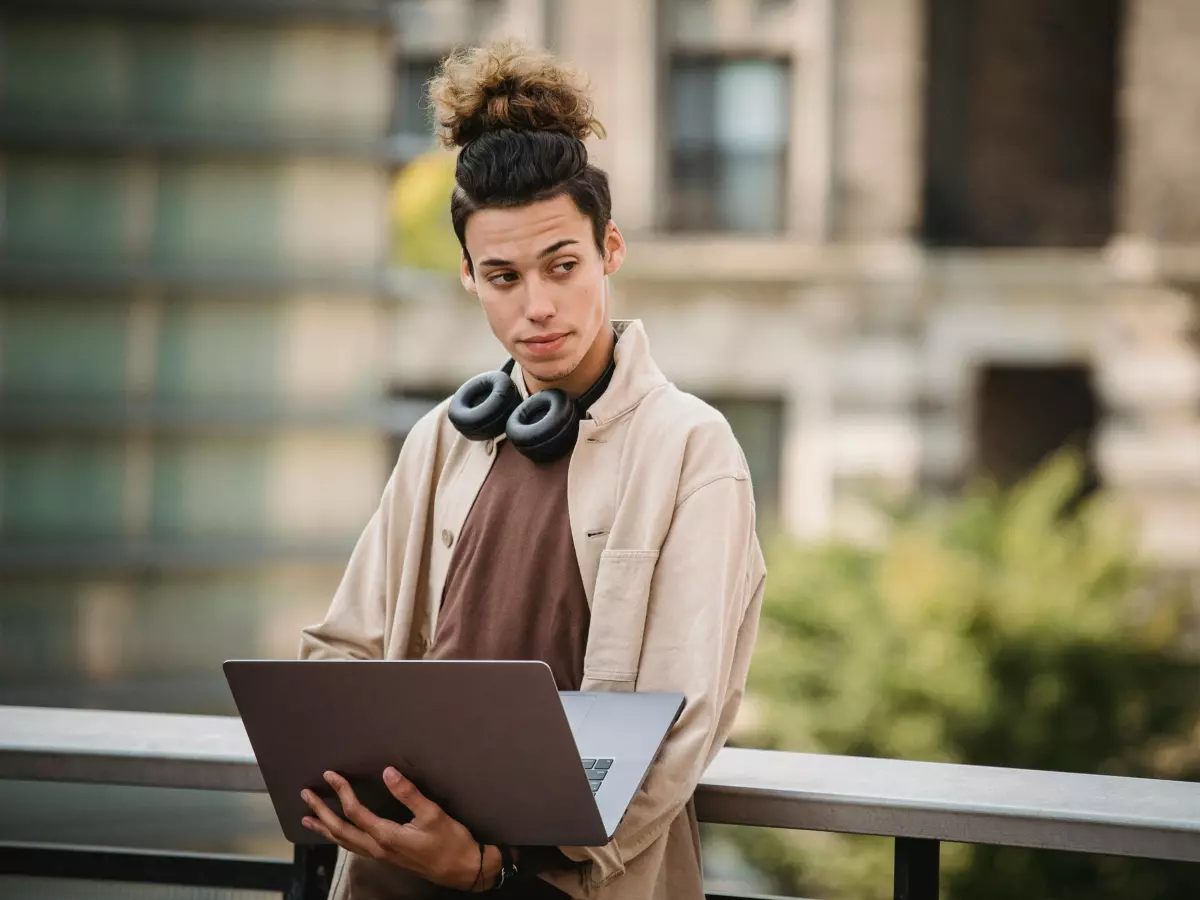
465,276
614,248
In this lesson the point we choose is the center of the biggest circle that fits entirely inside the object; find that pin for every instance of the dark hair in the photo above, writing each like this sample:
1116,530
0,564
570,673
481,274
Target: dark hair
520,118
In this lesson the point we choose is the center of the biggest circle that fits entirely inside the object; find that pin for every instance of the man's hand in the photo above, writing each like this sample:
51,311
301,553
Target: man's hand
432,846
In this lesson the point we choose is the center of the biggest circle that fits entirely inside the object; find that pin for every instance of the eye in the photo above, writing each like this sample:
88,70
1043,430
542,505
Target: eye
564,267
502,278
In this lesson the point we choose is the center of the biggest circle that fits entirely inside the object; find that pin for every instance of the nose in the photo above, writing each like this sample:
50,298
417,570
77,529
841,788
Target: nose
539,303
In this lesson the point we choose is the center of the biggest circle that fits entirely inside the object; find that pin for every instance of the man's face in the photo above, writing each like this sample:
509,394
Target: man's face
540,279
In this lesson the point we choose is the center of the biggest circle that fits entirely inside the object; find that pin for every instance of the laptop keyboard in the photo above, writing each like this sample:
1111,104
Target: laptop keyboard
596,770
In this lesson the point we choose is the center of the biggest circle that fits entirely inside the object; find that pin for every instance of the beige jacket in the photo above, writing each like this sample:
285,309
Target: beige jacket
663,521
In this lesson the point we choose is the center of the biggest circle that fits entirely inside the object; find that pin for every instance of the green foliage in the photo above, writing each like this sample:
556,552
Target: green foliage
1005,628
422,234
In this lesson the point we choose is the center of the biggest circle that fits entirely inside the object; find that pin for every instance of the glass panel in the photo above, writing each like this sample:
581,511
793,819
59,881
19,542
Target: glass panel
693,200
729,129
219,349
748,193
751,105
57,487
74,347
693,134
219,214
54,206
693,107
38,638
413,114
154,645
63,69
164,63
232,76
212,486
147,818
751,117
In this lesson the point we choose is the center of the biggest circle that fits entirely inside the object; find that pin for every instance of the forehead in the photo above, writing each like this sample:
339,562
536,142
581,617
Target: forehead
520,233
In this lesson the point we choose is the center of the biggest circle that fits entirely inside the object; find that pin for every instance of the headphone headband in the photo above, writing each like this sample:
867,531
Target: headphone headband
543,427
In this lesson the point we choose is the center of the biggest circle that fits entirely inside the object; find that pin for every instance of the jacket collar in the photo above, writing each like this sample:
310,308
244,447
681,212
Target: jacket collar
636,373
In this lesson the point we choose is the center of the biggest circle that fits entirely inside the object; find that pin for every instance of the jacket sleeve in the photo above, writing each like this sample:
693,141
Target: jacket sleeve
355,624
701,624
383,567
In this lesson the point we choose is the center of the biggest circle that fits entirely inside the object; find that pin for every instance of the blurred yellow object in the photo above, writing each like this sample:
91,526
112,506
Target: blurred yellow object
422,234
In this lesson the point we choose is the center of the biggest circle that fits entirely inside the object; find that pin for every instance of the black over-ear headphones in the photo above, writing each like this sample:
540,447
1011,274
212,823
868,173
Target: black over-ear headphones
543,427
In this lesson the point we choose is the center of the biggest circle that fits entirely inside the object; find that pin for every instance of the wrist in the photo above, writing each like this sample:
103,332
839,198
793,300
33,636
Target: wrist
491,867
470,871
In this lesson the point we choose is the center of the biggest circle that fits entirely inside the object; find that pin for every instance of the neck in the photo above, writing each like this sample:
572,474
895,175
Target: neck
589,370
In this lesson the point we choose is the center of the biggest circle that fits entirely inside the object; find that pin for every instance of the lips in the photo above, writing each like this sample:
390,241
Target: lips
545,344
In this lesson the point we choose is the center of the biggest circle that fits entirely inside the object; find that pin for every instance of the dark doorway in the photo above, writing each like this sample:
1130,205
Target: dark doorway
1026,413
1021,126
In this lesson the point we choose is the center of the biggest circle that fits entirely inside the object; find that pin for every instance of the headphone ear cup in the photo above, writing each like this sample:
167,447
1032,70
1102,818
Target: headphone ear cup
481,407
545,426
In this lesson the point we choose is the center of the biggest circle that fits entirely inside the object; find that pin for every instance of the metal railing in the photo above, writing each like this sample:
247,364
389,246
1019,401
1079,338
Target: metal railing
919,804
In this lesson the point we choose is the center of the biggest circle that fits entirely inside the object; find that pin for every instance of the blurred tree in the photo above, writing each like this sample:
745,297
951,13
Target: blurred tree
422,234
1004,628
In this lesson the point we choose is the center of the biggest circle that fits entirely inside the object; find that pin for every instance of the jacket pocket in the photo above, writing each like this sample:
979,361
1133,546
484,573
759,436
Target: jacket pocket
618,620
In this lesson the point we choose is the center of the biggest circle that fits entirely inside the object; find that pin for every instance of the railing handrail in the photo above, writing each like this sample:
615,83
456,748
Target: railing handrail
971,804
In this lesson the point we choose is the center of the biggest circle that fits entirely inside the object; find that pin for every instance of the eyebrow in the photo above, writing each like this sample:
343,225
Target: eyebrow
553,248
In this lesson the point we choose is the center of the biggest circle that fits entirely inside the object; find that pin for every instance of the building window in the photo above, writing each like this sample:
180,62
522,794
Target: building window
1025,414
728,121
412,115
426,32
758,423
1022,128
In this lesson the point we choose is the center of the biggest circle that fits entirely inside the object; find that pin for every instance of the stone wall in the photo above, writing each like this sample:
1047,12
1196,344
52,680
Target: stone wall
877,119
1160,115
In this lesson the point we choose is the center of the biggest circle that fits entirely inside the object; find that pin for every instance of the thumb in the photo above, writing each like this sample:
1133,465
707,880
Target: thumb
422,808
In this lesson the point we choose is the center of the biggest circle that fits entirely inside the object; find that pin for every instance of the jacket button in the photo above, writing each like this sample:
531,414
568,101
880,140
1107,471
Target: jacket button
447,537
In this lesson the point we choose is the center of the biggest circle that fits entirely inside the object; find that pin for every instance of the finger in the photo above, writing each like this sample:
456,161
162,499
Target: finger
350,838
353,807
315,825
422,808
340,831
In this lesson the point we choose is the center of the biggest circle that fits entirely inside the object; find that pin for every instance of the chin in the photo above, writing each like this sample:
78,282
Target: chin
549,372
553,369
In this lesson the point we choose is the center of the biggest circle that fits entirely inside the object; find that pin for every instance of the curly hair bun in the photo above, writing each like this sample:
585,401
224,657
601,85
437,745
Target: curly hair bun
507,85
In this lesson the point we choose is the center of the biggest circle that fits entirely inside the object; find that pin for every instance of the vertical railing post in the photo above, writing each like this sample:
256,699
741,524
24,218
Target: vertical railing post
916,869
312,872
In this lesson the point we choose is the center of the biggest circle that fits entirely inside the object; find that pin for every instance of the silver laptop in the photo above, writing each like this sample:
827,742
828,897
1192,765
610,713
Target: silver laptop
493,743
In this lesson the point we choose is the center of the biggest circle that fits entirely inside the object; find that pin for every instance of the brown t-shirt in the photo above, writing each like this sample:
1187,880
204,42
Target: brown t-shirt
516,592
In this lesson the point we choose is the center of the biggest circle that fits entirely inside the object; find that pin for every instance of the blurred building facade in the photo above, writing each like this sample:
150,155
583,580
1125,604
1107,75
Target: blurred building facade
901,242
897,242
192,336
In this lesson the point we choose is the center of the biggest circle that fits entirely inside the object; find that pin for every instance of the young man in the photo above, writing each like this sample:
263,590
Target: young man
625,556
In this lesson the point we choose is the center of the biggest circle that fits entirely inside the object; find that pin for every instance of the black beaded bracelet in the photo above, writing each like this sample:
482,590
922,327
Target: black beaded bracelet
478,882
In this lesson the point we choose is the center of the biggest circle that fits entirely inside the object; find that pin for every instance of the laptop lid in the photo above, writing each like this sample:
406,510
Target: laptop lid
489,742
